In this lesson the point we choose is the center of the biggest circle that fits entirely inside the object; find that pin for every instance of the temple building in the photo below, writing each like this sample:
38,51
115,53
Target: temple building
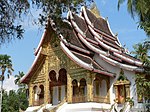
82,68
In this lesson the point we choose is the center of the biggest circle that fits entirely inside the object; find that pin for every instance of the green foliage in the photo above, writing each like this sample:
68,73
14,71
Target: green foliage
14,101
13,10
17,81
56,9
143,80
141,9
23,101
131,102
143,85
10,10
5,65
142,52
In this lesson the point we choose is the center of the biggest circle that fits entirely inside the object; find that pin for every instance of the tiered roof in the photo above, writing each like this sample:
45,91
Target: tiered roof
89,35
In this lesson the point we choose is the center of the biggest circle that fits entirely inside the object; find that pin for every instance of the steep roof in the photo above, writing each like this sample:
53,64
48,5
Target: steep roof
35,65
89,35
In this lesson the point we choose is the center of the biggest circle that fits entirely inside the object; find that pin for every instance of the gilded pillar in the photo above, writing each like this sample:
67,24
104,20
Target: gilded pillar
127,87
46,94
116,93
69,89
30,94
89,88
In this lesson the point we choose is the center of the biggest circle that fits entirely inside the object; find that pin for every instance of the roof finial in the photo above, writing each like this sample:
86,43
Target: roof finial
116,34
95,10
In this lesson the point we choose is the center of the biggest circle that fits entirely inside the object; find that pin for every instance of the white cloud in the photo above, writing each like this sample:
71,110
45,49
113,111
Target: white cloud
9,84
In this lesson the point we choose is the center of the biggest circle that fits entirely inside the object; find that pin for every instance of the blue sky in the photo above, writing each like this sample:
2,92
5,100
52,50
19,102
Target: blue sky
22,51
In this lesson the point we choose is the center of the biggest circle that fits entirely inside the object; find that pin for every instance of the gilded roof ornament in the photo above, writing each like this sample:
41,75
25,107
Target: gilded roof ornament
95,10
122,79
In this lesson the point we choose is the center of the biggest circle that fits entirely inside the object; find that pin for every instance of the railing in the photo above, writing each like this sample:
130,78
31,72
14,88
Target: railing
100,99
38,102
77,99
82,98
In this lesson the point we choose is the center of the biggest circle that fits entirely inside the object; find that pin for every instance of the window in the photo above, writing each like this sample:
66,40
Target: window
103,88
82,87
96,87
75,87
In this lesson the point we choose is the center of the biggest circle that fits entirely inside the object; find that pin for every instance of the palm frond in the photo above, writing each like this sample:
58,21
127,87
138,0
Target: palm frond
6,65
119,3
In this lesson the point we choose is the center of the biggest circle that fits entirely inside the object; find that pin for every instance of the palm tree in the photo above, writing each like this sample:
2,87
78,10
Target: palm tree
140,9
136,7
133,6
5,65
22,92
18,77
141,52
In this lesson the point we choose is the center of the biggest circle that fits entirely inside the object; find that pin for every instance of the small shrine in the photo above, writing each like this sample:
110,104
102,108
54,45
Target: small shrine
122,88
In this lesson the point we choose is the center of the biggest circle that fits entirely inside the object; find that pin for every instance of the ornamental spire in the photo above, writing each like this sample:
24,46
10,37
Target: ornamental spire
95,10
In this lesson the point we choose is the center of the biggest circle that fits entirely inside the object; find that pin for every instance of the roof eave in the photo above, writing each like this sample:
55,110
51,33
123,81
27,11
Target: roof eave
23,79
81,63
40,43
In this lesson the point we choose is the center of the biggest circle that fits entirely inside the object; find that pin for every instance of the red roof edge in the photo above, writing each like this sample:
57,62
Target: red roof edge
40,44
23,79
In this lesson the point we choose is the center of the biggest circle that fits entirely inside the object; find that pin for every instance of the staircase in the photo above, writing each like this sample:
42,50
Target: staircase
55,108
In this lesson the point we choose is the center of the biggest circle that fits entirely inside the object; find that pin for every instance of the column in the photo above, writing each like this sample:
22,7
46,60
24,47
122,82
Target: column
116,93
30,94
69,89
89,88
127,89
46,86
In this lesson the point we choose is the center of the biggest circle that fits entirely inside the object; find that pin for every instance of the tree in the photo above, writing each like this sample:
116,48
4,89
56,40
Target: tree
22,99
141,51
56,8
5,102
14,101
17,80
21,92
5,65
12,10
141,9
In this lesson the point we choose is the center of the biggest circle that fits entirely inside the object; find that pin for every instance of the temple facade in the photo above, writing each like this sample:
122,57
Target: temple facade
82,67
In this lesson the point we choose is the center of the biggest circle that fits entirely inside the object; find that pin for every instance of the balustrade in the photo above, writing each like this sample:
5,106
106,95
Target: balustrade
100,99
82,99
38,102
76,99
